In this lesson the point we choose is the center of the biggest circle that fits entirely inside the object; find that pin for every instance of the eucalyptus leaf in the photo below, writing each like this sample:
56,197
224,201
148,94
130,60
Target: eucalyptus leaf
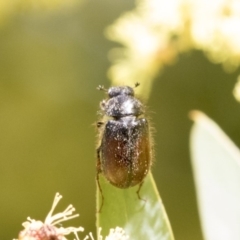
140,219
216,165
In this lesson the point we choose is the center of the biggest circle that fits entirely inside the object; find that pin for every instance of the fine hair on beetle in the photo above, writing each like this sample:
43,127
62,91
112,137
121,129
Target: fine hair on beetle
124,150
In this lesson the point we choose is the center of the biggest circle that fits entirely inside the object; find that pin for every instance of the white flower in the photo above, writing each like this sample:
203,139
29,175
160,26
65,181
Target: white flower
47,230
114,234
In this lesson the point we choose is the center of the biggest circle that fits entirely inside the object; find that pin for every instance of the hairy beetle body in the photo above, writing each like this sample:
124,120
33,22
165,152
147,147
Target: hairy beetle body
124,155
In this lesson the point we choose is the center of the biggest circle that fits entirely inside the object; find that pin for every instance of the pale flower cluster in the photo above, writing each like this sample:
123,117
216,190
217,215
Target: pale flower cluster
156,31
215,29
48,230
37,230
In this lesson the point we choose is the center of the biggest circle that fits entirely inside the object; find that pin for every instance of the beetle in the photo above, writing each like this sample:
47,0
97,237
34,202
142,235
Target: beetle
124,155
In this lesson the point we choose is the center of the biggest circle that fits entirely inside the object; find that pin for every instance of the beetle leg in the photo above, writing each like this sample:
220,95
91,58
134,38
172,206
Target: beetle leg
101,193
138,192
99,170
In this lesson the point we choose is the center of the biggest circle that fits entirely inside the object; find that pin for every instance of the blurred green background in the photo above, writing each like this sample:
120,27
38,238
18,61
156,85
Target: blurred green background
50,63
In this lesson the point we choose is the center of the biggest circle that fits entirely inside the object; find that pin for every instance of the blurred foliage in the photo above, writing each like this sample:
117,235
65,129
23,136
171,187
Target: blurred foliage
9,8
216,165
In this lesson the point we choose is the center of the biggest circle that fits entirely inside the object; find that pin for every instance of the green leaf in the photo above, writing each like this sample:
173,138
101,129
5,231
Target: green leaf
140,219
216,165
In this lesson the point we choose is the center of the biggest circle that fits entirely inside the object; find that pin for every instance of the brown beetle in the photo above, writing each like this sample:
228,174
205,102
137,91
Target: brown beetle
124,155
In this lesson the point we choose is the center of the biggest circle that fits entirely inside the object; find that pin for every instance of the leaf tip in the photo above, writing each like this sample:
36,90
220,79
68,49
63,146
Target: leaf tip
196,115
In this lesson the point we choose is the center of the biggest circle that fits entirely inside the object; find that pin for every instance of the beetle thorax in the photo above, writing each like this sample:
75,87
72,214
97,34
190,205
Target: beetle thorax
122,105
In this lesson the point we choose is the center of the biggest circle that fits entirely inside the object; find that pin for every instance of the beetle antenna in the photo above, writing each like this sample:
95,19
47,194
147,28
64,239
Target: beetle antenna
102,88
136,84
